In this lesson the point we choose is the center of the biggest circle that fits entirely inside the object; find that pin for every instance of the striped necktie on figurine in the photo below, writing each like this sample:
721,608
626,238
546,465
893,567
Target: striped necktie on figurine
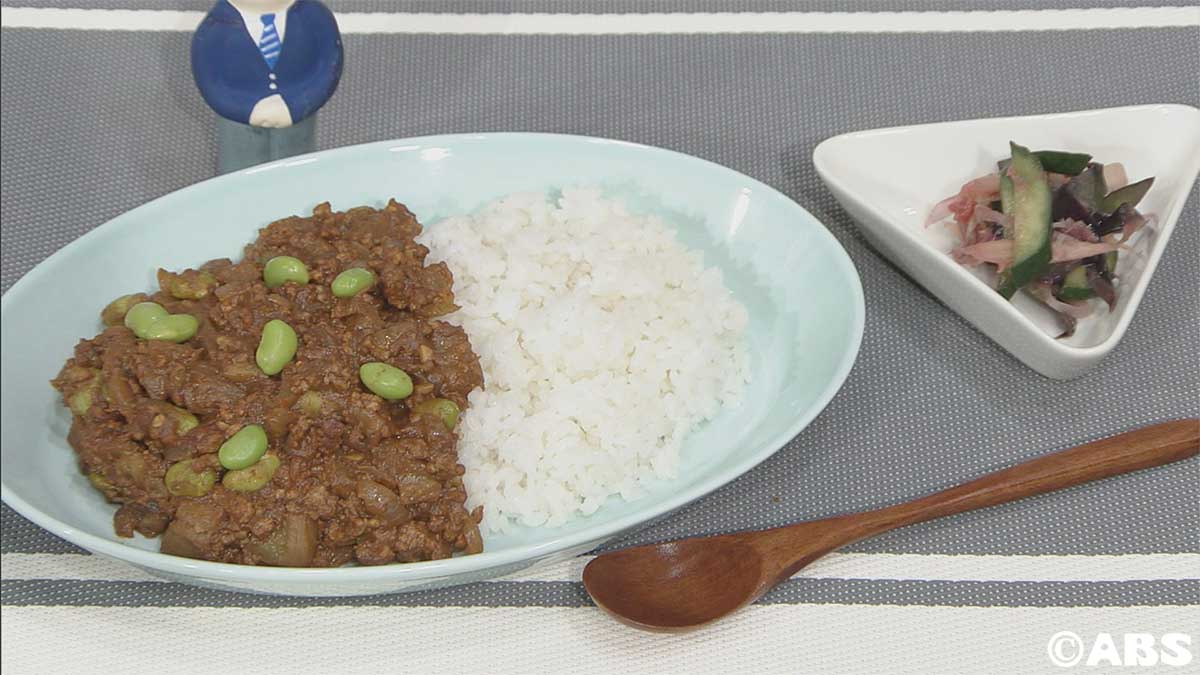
269,46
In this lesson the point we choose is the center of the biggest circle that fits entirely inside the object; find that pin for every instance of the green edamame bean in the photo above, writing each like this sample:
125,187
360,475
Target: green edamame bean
184,481
352,282
439,407
150,321
253,477
276,347
385,380
244,448
184,420
172,328
143,314
282,269
114,312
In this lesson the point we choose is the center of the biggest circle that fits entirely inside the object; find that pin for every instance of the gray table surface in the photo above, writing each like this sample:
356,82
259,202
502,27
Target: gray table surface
95,123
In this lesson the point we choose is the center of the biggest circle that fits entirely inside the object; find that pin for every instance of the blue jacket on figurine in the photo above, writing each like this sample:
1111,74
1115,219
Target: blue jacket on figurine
233,75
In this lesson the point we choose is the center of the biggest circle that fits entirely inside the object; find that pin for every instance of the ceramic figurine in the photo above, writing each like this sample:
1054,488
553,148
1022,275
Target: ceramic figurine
265,67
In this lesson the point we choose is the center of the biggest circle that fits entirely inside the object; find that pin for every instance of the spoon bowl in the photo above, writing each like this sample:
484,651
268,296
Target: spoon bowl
676,585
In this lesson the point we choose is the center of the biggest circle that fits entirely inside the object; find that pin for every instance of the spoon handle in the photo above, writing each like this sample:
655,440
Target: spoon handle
1139,449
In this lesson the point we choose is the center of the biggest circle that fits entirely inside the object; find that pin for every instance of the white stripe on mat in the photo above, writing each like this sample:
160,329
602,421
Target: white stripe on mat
644,24
877,566
758,639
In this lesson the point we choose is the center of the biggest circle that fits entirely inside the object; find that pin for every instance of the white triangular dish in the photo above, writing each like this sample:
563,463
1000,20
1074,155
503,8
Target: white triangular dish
888,179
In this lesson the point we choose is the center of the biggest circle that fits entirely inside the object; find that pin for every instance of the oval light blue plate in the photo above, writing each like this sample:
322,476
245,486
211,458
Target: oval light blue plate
800,288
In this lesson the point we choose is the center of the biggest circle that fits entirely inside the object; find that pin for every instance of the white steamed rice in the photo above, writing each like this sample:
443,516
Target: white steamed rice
603,342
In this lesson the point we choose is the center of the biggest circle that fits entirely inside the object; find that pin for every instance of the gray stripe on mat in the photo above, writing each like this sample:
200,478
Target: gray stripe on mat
570,594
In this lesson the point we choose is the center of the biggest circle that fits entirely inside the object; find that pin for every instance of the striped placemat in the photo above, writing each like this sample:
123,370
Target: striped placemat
99,115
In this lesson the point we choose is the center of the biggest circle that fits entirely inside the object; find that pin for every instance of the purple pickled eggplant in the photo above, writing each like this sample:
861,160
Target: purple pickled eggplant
1081,196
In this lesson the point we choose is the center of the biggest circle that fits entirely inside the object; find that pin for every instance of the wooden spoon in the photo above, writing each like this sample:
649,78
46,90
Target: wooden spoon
684,584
